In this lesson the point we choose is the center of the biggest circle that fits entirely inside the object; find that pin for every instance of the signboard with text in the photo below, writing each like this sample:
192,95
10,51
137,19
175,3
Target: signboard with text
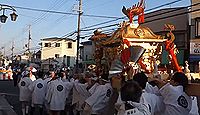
194,47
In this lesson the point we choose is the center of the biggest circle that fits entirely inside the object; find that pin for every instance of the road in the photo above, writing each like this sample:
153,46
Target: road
12,96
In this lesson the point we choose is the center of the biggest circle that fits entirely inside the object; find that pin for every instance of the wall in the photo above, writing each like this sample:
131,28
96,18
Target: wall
167,16
49,52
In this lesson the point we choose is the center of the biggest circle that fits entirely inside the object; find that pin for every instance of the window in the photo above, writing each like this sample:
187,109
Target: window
86,57
56,55
69,45
180,40
57,45
197,27
47,45
68,61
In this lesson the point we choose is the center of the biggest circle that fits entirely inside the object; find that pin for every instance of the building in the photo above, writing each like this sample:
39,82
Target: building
195,37
180,19
63,50
87,53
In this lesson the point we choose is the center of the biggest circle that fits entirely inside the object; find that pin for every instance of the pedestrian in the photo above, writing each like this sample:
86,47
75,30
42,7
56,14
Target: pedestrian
38,88
176,101
24,92
98,101
149,97
80,93
15,78
56,94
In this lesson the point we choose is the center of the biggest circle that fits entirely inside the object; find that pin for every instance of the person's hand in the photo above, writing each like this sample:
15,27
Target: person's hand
159,82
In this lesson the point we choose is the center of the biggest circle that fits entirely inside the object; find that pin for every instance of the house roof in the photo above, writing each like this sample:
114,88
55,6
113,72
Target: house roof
56,38
167,9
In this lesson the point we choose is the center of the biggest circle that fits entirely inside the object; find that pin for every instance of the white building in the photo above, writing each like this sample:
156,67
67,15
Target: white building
62,50
87,53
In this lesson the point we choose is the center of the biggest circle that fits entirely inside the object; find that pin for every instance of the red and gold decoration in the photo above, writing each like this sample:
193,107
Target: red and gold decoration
133,44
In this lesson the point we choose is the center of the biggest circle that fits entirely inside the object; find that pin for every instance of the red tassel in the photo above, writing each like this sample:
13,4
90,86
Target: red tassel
130,17
141,18
125,41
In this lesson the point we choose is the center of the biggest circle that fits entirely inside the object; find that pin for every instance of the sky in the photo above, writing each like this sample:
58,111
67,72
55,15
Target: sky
46,25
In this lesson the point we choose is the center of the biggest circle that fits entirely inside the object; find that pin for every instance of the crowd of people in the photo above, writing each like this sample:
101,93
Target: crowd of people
58,93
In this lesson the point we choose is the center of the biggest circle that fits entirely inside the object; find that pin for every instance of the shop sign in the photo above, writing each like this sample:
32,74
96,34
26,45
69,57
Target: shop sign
195,48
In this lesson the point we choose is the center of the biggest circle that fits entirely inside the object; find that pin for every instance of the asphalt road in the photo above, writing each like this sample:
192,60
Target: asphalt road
11,94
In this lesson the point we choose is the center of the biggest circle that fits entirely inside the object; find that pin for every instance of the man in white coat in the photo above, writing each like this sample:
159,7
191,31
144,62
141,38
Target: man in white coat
98,101
80,94
38,88
56,94
149,97
131,94
176,101
24,92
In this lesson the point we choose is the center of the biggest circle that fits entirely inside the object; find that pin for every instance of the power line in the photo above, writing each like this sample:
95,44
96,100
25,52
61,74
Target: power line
162,13
103,23
170,3
170,16
125,16
174,15
65,13
56,22
88,15
173,2
46,14
100,27
38,19
72,33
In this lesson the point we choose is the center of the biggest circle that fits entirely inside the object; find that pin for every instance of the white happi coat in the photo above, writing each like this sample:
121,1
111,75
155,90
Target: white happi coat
176,101
57,93
47,81
93,88
139,109
99,99
80,94
38,88
195,109
154,102
24,92
152,89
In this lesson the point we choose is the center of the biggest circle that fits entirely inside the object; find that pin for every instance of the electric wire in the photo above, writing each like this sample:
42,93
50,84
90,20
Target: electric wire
72,33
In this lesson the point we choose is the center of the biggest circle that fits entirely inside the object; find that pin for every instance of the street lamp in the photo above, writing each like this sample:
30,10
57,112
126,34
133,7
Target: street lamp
3,17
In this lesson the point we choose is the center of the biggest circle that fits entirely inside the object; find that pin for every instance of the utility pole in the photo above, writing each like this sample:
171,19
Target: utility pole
4,51
29,39
78,32
29,44
12,50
